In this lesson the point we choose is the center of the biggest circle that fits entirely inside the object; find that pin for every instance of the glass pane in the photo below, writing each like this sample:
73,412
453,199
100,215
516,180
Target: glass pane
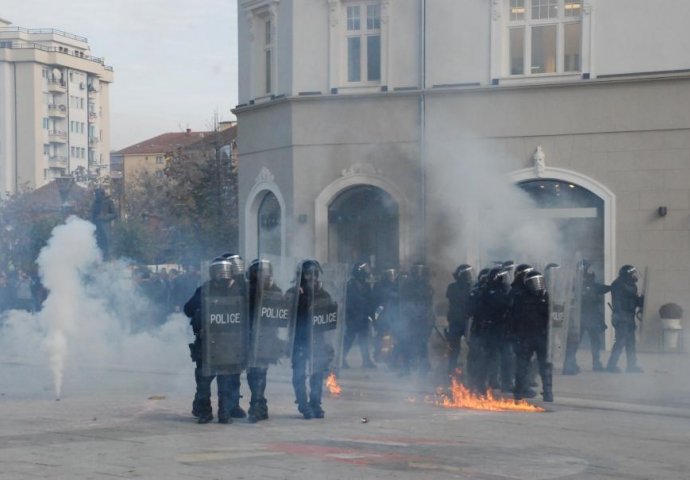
542,9
269,220
268,71
373,17
517,51
354,54
573,8
517,10
544,49
353,18
571,48
268,32
374,58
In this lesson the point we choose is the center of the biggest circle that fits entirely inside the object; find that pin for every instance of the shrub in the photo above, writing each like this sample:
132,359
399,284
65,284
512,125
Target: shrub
670,310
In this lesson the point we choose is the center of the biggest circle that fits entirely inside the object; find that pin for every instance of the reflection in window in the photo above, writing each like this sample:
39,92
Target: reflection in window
544,49
269,219
517,51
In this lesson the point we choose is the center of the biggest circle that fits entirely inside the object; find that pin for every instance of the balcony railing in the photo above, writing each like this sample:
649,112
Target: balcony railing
38,46
57,136
93,141
55,86
57,110
59,161
93,115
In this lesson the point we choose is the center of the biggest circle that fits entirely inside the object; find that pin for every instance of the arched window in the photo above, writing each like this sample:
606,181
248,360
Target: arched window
269,218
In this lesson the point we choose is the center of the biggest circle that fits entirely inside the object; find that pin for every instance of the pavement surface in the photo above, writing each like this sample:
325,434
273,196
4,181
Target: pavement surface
116,422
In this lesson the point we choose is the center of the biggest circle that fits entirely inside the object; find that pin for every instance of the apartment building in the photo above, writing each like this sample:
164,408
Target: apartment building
54,108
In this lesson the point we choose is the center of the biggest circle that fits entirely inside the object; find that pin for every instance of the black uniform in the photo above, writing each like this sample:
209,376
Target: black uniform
359,306
458,295
308,402
530,322
625,302
256,375
417,320
228,385
488,336
387,298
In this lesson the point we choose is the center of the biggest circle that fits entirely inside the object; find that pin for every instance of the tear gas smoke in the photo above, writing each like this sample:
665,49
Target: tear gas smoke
92,317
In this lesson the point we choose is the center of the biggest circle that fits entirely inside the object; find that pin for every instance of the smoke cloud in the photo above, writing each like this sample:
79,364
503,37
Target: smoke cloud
94,317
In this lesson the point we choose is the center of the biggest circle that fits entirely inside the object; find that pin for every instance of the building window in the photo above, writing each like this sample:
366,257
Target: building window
544,36
363,42
159,160
268,56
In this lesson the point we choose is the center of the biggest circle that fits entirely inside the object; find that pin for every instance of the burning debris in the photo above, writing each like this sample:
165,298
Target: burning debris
333,388
460,397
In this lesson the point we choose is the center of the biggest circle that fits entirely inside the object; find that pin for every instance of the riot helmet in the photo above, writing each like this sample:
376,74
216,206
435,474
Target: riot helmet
236,261
463,272
390,275
508,265
220,269
628,272
483,276
522,270
361,271
583,265
498,276
551,266
310,271
534,281
418,270
260,270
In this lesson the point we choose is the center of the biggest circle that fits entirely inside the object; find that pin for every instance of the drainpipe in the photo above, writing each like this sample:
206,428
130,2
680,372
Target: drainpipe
422,124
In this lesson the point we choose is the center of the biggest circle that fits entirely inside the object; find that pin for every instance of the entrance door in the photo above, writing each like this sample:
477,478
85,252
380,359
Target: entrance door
363,226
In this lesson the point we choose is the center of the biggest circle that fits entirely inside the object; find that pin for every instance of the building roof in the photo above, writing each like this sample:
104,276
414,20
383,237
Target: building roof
164,143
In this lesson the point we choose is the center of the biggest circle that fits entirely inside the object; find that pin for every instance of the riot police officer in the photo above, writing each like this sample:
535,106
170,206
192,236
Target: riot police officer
490,304
416,297
530,312
261,284
309,291
223,284
359,309
625,302
591,320
386,298
458,295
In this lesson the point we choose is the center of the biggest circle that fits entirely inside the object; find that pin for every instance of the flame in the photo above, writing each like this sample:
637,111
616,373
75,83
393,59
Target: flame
333,387
461,397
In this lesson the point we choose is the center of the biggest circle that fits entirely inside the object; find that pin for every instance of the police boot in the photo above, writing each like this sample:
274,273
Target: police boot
547,383
316,409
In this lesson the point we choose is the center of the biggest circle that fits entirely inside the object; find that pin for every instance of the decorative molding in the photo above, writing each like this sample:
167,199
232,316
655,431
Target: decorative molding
265,176
539,162
360,169
587,7
250,22
496,10
385,11
333,8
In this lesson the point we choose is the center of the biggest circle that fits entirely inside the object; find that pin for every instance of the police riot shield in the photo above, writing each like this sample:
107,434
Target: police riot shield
327,314
273,312
386,317
575,313
559,285
225,324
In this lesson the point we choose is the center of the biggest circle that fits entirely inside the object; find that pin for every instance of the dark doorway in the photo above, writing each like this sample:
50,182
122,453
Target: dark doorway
269,220
363,226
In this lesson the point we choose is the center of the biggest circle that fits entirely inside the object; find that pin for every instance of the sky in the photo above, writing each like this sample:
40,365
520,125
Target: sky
175,61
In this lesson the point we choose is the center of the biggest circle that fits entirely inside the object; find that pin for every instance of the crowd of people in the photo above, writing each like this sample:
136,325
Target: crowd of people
505,316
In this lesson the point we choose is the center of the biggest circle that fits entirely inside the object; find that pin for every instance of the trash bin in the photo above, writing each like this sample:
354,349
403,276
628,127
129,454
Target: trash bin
671,334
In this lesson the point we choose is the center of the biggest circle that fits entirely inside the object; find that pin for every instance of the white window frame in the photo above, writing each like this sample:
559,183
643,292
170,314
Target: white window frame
502,23
338,53
362,33
257,14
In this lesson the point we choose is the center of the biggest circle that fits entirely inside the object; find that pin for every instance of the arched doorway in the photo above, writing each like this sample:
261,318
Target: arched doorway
268,225
363,226
578,214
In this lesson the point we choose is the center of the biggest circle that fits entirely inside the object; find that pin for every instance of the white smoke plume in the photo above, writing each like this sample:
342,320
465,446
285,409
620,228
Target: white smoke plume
93,316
